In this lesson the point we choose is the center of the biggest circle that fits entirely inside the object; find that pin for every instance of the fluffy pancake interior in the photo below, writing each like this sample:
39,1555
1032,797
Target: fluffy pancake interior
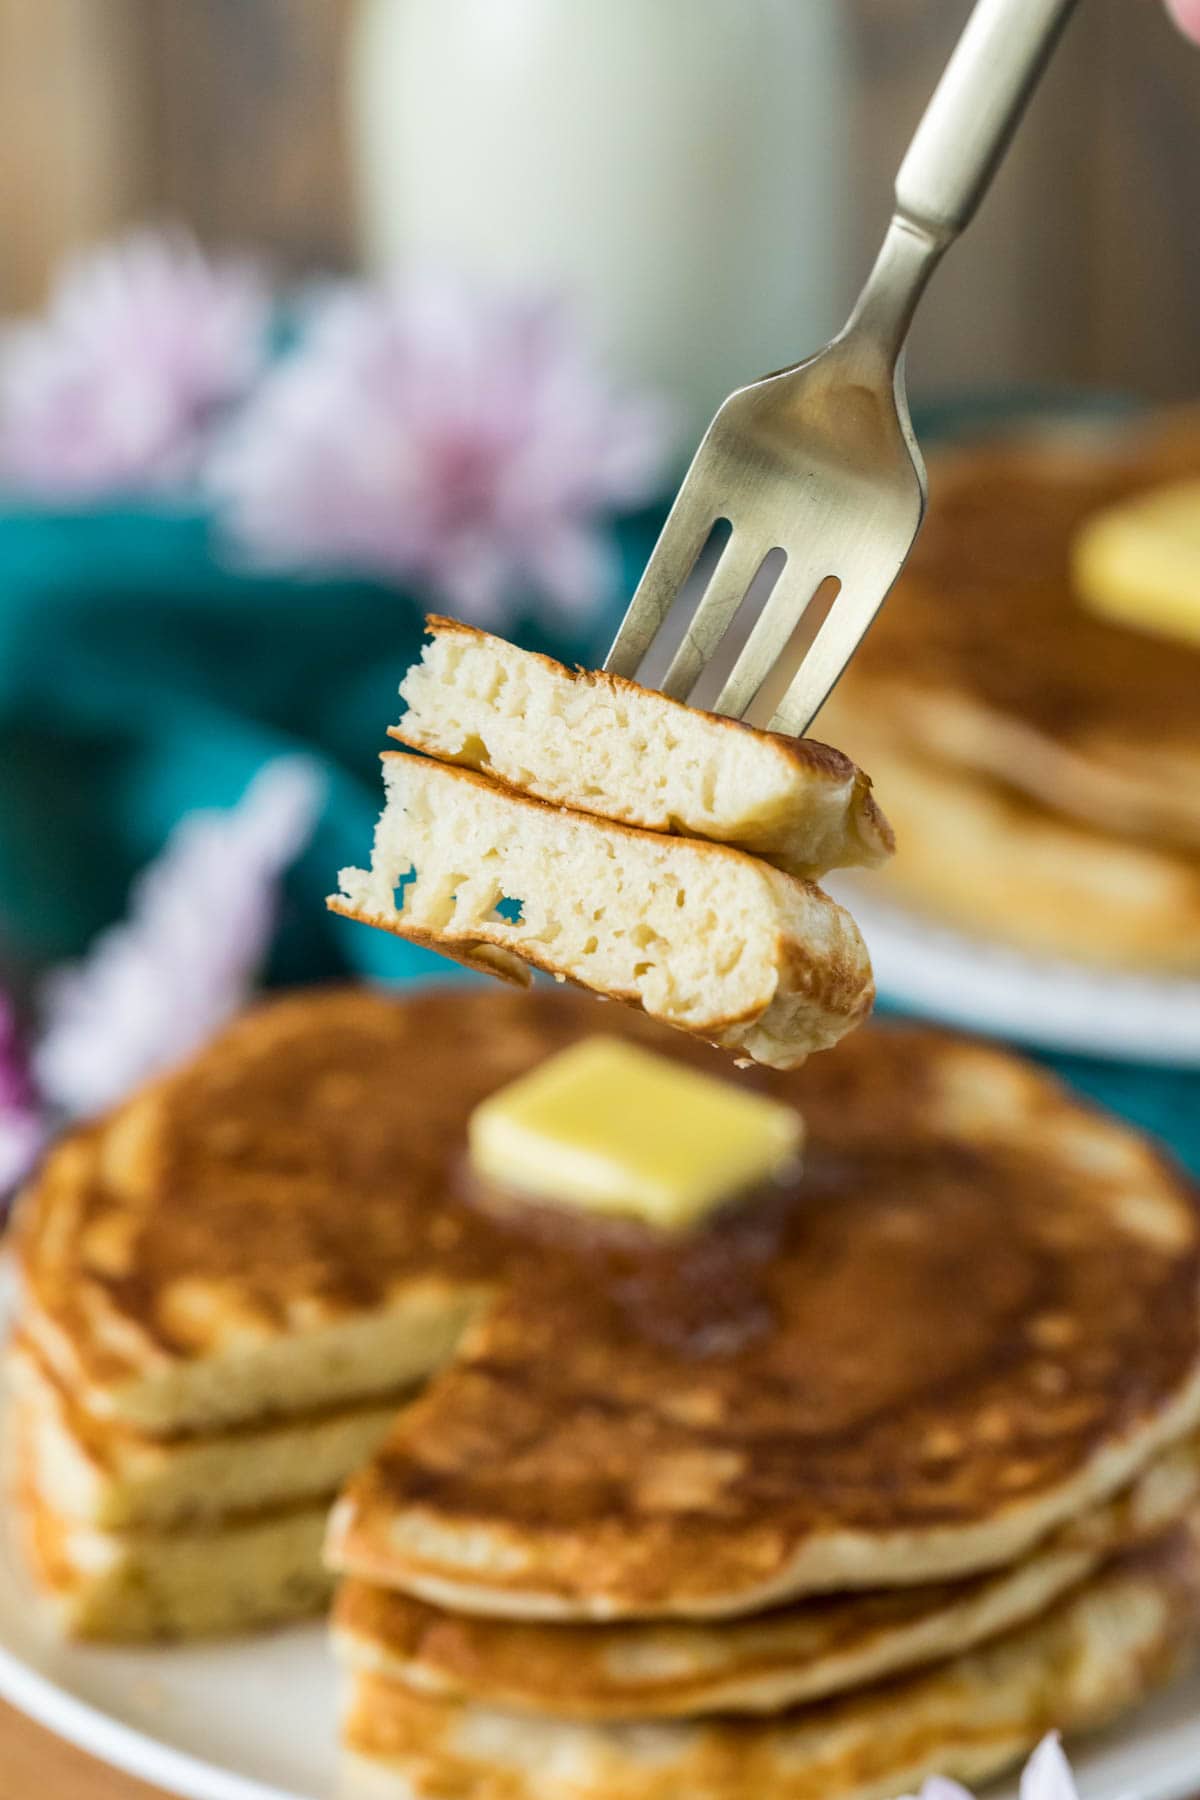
602,745
701,936
105,1474
254,1569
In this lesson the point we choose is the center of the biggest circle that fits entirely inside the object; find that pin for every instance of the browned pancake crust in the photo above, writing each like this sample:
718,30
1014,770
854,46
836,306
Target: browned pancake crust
870,829
983,653
299,1169
821,1646
638,1434
103,1441
1097,1653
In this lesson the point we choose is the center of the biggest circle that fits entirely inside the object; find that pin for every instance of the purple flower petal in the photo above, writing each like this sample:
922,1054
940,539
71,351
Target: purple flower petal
426,433
1047,1775
118,385
939,1787
21,1129
156,986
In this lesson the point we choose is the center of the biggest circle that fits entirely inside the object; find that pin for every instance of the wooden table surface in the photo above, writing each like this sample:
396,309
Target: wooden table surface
36,1766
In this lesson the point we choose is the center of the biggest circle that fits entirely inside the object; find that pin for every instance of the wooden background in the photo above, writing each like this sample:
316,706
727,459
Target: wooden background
1085,265
35,1766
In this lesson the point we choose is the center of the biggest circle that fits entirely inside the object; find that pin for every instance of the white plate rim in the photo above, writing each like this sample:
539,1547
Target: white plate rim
1175,1776
1045,1003
124,1747
93,1730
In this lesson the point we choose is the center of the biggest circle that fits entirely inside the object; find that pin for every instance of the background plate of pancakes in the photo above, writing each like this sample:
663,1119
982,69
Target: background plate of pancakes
1040,763
928,968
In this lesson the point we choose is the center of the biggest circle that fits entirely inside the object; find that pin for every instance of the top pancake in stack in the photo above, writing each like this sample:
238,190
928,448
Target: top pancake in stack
1042,763
268,1230
913,1364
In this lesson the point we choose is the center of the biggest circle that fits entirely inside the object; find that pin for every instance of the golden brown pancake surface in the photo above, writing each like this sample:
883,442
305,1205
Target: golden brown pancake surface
294,1173
909,1364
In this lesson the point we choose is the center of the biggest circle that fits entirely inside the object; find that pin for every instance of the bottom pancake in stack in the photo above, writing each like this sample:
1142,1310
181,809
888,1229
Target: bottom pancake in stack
882,1477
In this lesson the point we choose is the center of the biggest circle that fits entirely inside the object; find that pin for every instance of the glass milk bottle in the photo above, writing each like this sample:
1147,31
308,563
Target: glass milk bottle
678,167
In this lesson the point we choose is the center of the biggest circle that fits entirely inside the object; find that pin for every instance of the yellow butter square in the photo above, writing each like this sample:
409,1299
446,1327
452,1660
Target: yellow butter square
1138,562
612,1128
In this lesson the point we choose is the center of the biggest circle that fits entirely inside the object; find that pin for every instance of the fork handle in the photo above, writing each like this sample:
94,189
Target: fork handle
974,111
958,145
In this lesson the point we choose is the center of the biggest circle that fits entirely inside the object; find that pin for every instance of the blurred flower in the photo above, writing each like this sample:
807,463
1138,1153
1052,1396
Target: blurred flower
426,433
154,987
1186,14
1046,1776
21,1132
118,385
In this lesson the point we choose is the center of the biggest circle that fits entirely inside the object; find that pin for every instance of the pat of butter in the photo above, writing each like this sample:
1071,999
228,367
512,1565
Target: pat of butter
1139,562
614,1129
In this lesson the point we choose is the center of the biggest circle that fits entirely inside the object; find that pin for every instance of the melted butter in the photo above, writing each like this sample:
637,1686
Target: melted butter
610,1128
1138,562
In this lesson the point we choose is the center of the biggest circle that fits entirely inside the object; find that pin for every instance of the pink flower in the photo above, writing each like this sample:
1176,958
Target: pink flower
1046,1776
21,1131
1186,14
118,385
154,987
426,433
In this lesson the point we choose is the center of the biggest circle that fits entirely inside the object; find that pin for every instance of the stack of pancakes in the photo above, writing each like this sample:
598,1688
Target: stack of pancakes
885,1469
1042,763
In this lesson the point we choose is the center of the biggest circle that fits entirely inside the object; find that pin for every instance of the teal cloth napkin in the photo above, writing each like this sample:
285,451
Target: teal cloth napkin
141,676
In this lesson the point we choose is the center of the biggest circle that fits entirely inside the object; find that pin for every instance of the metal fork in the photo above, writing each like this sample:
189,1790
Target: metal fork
820,460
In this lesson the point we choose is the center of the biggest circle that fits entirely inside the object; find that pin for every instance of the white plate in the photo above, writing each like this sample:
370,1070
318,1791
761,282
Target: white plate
255,1718
942,974
248,1720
